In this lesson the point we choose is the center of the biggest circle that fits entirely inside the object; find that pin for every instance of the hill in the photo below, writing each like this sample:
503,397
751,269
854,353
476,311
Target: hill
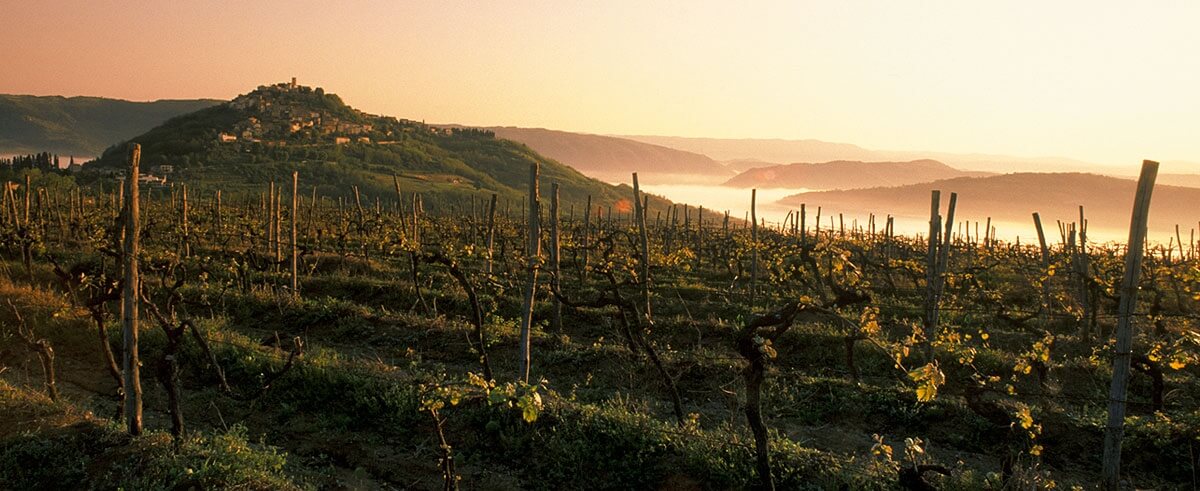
1186,180
842,174
1107,201
80,125
743,165
264,135
768,149
612,158
808,150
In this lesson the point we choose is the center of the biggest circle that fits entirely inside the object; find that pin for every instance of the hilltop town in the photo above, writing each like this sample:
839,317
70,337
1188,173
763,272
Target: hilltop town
289,113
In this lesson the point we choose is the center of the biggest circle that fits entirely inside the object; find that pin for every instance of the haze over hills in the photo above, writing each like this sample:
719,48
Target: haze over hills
1107,201
808,150
85,126
742,165
82,126
612,158
770,150
264,135
842,174
1187,180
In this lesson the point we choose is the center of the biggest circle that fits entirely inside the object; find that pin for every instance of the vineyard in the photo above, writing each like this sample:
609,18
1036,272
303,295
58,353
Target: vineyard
282,338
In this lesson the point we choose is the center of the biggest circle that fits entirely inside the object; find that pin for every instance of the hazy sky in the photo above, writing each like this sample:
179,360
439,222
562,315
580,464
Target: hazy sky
1109,82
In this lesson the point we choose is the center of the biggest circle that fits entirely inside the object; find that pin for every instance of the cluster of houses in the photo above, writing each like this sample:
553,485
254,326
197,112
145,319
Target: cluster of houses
282,119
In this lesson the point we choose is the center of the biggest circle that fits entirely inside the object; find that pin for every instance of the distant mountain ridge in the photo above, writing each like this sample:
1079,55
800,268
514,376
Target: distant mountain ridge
81,126
742,165
1107,201
809,150
85,126
613,158
264,135
1187,180
843,174
766,149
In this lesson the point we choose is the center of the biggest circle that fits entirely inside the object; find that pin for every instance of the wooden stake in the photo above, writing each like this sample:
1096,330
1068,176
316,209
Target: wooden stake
534,255
556,312
131,365
644,240
587,237
491,235
931,262
295,222
1037,221
1115,429
753,249
187,242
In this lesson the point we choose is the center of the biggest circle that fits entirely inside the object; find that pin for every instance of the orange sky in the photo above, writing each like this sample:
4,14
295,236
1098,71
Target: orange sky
1100,81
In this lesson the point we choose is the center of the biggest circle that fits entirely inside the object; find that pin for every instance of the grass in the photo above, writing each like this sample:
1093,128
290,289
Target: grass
63,447
352,413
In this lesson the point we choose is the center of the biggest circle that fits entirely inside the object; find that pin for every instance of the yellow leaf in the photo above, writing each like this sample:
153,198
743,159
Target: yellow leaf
1177,364
1025,418
926,392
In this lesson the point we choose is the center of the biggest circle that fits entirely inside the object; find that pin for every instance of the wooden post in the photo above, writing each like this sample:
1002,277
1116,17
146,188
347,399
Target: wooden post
219,228
1179,240
269,207
942,264
587,230
312,210
358,206
491,235
5,218
534,253
817,226
987,230
28,188
1085,278
931,262
753,249
556,312
803,217
396,184
1037,222
699,236
278,226
130,299
416,220
644,238
671,214
1115,429
944,253
295,223
187,243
